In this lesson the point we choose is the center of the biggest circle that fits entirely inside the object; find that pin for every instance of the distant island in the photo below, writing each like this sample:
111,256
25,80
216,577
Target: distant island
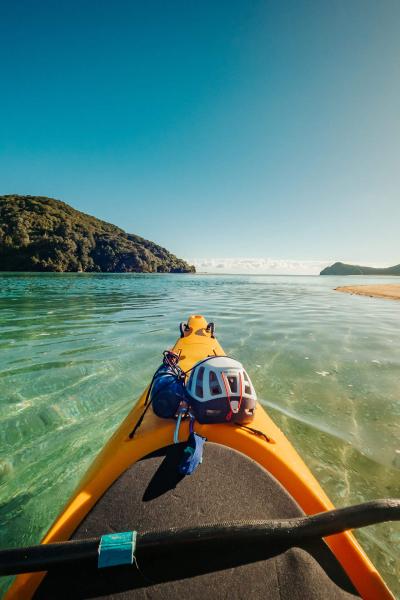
340,268
44,234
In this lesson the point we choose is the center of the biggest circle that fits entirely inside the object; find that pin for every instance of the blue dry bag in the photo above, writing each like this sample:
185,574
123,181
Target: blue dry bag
167,392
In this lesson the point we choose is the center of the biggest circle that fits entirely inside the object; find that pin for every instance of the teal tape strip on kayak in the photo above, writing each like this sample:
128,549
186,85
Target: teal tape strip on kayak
117,549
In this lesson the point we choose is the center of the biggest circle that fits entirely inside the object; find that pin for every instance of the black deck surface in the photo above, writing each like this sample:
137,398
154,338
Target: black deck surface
227,486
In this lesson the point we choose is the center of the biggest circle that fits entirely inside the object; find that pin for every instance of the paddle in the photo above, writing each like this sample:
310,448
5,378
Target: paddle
46,556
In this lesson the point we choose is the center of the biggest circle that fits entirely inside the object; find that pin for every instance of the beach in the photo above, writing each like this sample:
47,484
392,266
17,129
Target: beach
391,291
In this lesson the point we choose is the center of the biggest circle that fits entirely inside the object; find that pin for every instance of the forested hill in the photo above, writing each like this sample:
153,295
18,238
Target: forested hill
43,234
342,269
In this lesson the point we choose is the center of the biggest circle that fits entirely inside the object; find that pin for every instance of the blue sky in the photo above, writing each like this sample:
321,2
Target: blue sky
221,130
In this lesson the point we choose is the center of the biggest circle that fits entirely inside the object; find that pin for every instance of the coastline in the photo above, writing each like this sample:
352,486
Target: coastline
390,291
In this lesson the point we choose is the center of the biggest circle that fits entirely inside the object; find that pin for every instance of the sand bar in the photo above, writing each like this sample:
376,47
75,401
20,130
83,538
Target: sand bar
391,291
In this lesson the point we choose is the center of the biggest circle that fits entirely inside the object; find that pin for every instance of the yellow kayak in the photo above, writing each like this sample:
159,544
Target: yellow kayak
251,473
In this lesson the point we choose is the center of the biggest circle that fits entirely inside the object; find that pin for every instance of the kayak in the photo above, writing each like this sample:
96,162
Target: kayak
247,474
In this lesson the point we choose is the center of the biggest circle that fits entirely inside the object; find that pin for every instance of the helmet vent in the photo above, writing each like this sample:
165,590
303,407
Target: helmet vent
232,380
199,383
215,388
247,388
191,381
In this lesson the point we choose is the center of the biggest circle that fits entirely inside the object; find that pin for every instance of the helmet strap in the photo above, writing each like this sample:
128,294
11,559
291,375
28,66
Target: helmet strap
230,413
234,405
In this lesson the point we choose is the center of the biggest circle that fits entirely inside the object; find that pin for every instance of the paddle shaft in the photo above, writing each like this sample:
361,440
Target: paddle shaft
47,556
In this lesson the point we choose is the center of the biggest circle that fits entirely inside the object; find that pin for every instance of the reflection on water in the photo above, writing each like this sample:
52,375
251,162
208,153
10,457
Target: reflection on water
77,349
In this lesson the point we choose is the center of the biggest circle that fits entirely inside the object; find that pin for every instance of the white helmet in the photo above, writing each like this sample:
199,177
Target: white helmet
220,390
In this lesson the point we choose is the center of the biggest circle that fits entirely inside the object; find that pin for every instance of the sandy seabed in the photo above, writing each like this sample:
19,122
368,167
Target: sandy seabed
391,291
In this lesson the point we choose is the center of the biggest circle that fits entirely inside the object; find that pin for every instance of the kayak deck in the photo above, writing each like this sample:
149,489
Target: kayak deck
151,494
270,449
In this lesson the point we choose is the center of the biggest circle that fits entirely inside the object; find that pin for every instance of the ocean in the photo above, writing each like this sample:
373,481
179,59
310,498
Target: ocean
76,350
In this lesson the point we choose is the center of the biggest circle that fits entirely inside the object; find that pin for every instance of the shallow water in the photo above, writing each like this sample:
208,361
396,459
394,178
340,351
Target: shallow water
77,349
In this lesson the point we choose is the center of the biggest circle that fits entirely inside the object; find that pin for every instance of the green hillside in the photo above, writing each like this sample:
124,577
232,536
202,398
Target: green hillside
342,269
43,234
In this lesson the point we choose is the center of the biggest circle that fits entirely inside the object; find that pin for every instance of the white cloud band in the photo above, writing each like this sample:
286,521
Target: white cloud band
259,265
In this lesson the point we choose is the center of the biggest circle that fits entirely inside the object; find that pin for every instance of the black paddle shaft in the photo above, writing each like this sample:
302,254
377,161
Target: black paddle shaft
47,556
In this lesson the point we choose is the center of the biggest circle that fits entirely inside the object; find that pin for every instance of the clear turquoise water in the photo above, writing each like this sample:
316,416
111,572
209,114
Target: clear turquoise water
77,349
